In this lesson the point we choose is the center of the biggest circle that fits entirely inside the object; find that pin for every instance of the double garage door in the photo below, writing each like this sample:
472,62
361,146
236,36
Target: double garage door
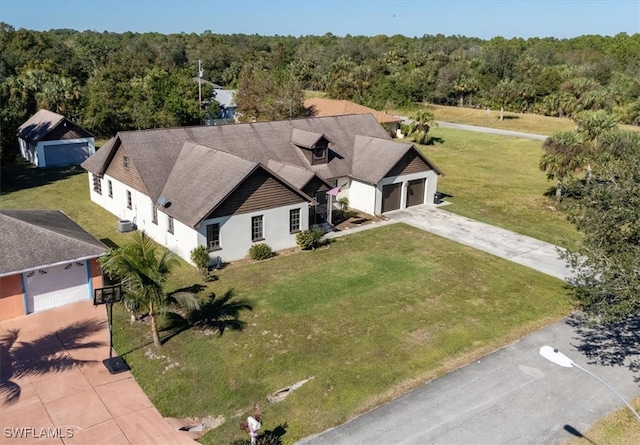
392,195
66,154
54,286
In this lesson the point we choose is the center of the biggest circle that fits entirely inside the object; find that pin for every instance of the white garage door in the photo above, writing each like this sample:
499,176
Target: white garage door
54,286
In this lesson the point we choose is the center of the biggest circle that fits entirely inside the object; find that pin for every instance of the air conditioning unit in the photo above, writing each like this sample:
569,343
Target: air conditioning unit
124,225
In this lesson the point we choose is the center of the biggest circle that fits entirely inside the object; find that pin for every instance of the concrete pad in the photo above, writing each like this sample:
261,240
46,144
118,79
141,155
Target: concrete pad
106,432
83,409
56,363
123,397
56,385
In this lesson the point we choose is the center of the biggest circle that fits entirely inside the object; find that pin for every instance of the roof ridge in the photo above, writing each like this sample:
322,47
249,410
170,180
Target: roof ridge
45,230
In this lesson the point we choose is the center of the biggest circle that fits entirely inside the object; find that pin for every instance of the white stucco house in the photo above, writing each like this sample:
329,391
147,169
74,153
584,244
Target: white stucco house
49,139
228,187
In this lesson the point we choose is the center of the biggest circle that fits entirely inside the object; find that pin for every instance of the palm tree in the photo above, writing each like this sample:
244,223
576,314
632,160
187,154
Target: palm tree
565,154
143,272
420,125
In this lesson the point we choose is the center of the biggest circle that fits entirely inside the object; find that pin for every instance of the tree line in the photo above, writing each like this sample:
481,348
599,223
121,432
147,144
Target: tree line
109,82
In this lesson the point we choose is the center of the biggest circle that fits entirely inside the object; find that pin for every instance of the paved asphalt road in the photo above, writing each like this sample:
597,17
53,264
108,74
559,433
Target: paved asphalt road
519,134
512,396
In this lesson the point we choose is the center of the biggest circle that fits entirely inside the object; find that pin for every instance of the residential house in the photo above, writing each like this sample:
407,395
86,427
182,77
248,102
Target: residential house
334,107
47,260
228,187
49,139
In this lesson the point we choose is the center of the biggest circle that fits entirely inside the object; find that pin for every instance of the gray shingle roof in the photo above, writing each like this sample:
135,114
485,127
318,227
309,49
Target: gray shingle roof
34,238
358,146
201,179
295,175
39,125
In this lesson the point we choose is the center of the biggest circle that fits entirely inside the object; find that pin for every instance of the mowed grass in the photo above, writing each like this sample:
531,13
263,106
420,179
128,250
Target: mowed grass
367,318
496,179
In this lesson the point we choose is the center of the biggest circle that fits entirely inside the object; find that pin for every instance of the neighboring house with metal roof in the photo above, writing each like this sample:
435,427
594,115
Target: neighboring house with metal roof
49,139
227,187
334,107
47,260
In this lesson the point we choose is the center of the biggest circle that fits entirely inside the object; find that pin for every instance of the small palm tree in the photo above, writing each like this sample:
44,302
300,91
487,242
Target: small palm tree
420,125
143,272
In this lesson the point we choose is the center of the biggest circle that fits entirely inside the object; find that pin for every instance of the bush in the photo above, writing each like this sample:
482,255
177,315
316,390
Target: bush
200,257
260,251
309,239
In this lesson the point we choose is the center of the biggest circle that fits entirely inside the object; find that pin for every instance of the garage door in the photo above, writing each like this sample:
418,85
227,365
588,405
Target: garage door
66,154
391,195
54,286
415,192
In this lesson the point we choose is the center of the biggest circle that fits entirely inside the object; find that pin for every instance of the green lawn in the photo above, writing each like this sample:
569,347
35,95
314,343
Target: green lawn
368,317
371,316
495,179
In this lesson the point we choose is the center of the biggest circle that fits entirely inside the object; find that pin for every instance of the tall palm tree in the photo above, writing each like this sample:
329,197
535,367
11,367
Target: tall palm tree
143,272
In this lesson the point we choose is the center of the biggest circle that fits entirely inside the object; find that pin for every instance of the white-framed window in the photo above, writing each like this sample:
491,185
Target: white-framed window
154,214
110,188
294,220
257,228
129,200
213,236
318,152
125,162
97,184
169,224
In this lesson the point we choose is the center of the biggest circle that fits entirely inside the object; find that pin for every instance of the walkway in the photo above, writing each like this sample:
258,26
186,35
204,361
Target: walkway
52,362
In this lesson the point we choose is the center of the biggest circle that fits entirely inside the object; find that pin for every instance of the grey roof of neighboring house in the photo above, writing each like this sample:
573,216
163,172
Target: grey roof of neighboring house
225,97
41,124
34,238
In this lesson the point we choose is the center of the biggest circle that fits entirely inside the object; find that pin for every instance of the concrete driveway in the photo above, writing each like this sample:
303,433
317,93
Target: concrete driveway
512,396
54,388
520,249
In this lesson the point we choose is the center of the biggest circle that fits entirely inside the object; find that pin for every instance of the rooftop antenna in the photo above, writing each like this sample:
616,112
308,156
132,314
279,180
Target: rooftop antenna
200,73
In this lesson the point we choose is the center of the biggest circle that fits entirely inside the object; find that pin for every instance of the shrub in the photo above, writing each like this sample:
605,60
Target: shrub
260,251
343,203
309,239
200,257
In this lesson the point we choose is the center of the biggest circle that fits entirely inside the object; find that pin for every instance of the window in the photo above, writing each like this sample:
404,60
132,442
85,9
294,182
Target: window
170,224
154,214
257,228
318,152
110,184
294,220
213,236
125,161
129,201
97,184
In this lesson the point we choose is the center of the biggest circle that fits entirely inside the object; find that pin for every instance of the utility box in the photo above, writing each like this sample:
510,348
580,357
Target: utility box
124,225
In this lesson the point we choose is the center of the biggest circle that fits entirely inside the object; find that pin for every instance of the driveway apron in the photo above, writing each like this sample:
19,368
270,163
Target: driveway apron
54,388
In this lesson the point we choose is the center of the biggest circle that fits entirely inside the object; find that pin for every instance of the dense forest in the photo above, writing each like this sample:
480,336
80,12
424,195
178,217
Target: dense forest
108,82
